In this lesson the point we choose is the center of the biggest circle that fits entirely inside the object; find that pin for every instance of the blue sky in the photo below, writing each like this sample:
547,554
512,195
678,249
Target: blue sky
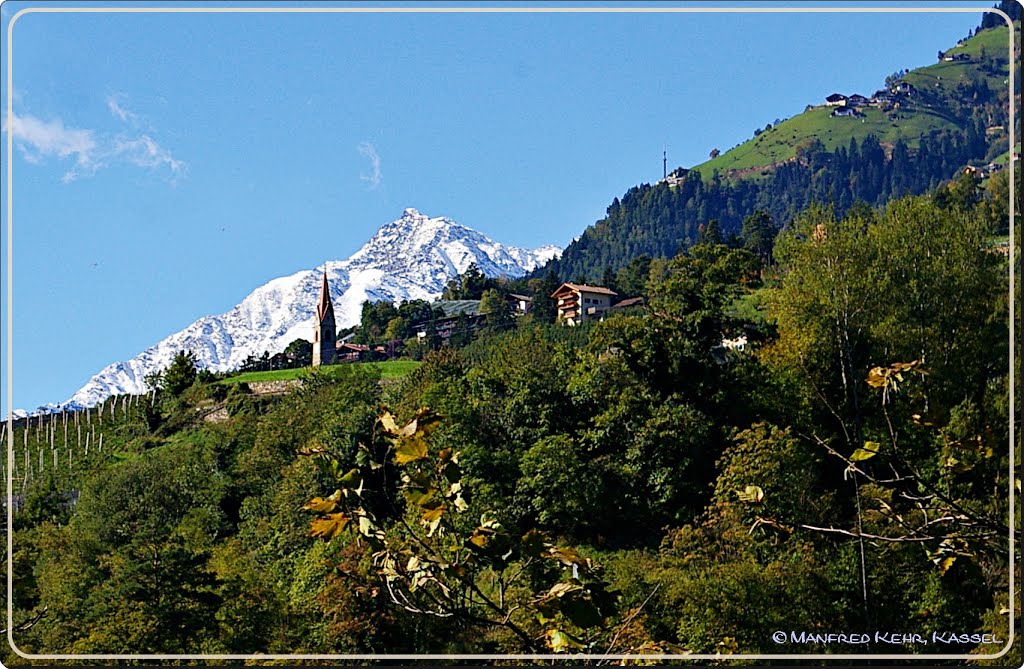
164,165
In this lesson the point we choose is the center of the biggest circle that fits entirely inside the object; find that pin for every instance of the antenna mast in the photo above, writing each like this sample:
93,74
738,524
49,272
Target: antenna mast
664,164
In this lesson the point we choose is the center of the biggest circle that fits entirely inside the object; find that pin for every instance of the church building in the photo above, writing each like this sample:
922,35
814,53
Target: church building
324,331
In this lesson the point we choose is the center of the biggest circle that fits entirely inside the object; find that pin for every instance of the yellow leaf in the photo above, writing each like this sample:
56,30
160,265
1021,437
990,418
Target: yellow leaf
387,420
329,527
945,563
566,556
366,526
430,515
877,377
321,505
870,450
752,494
410,449
314,449
432,526
425,421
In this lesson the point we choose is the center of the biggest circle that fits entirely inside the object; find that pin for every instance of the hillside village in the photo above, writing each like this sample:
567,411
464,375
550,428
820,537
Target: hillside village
575,304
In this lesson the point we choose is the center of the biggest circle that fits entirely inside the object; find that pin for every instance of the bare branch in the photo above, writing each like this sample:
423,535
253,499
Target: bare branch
28,623
626,622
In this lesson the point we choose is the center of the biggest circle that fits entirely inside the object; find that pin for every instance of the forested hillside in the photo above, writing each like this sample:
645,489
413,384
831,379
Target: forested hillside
631,485
797,441
955,116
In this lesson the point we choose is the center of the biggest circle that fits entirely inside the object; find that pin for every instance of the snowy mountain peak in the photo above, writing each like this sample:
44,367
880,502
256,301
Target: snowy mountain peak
412,257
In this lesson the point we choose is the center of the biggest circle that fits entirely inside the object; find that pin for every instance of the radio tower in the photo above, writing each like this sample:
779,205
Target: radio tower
664,164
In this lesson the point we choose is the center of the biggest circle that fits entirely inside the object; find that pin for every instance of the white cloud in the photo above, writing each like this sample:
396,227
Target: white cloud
145,152
374,179
90,151
120,111
39,139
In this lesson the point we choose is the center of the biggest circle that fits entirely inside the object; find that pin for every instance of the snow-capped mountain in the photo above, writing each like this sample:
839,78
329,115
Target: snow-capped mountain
410,258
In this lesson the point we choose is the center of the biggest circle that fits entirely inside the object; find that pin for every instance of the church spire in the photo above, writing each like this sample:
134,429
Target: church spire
324,329
324,303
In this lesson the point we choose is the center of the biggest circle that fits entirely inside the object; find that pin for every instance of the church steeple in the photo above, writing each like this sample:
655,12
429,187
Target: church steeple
324,331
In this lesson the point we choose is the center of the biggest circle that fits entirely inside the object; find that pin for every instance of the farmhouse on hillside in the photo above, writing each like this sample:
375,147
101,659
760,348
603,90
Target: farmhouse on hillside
578,303
845,111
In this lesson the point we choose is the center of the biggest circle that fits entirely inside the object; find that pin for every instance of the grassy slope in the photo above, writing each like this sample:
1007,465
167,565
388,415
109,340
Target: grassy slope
943,77
779,143
388,370
1005,157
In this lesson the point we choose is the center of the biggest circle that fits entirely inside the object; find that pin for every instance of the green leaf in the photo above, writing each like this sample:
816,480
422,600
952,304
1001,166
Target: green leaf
421,497
571,599
561,642
352,479
418,489
581,612
452,471
534,543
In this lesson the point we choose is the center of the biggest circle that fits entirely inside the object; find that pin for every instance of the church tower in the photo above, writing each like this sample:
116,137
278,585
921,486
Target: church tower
324,331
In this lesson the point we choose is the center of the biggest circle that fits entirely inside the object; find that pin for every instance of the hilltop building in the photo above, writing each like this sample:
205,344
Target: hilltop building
577,303
904,88
324,332
519,304
676,176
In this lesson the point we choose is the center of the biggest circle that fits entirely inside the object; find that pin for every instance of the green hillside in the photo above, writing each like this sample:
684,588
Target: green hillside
389,369
947,98
630,486
780,143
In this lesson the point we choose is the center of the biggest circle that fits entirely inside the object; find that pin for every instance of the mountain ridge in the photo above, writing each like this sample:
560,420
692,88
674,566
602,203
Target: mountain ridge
412,257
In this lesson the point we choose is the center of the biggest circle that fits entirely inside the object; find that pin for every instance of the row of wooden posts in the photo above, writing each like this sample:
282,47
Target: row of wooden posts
45,430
